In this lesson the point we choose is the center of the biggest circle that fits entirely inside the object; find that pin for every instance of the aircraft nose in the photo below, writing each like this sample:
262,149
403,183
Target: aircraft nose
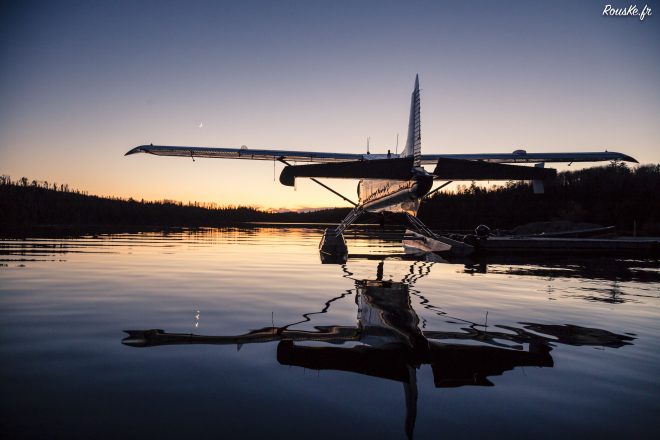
424,185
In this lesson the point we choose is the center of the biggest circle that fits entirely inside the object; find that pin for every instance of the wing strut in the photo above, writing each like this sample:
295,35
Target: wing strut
437,189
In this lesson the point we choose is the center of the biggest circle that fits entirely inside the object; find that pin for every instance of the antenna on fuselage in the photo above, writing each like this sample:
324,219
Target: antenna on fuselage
368,144
397,144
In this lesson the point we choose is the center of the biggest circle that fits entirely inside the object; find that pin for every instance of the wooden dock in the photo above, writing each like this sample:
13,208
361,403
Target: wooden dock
570,246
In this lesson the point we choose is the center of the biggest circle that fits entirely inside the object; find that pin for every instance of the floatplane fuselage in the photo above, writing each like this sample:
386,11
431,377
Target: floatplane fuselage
394,195
395,183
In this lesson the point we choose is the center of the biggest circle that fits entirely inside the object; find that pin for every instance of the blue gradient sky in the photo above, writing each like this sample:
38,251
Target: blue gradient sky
83,82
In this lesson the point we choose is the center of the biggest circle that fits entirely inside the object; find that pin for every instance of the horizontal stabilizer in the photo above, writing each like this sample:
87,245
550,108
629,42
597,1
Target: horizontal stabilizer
395,169
457,169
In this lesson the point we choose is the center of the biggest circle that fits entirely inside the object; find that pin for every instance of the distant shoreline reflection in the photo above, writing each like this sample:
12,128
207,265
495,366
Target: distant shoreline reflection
387,341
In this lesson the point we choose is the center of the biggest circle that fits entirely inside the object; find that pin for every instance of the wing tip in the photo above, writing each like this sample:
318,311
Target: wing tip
615,155
139,149
626,158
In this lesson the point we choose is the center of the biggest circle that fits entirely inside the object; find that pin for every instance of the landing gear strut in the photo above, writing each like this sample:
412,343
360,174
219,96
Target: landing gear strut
424,240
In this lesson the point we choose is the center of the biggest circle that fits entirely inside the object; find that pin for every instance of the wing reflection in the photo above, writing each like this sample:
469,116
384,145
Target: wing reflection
387,341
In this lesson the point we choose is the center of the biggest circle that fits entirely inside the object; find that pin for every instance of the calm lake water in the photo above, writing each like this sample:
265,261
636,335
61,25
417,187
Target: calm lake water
95,341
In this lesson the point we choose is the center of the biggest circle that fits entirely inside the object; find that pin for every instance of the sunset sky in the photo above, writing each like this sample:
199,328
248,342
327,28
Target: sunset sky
83,82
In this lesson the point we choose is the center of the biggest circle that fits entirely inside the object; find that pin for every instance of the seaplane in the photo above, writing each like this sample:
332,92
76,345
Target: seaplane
396,183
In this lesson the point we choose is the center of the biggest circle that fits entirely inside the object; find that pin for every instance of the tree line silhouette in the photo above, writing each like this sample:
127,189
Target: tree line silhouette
613,195
610,195
26,203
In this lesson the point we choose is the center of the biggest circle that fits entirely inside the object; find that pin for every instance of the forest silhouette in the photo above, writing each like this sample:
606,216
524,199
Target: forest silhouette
614,195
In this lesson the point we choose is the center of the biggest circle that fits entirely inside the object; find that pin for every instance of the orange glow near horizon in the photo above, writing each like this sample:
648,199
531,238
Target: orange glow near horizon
75,102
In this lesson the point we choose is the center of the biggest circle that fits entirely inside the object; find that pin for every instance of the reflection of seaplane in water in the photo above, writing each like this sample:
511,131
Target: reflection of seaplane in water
393,183
387,341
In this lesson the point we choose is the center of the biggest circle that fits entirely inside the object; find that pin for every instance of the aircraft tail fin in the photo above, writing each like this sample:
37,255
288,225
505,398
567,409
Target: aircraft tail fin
414,141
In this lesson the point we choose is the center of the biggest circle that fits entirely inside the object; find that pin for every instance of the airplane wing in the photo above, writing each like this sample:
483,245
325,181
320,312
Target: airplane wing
324,157
246,153
524,157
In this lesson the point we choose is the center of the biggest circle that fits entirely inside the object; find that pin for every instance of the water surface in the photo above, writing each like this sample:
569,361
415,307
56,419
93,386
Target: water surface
232,333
